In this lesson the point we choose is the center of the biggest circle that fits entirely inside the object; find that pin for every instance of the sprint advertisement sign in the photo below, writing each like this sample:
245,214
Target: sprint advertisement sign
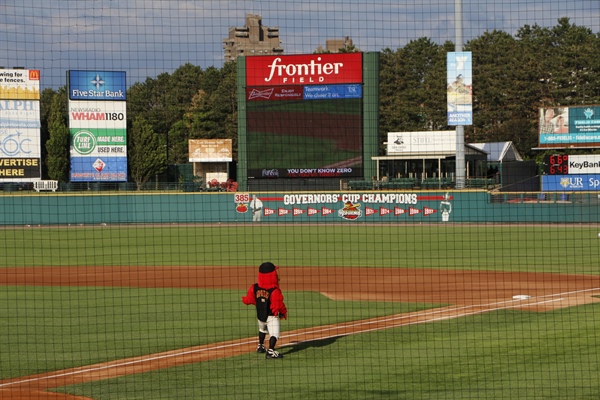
20,144
98,126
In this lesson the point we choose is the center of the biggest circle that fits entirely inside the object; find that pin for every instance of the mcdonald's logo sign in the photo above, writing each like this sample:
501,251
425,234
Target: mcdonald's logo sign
34,74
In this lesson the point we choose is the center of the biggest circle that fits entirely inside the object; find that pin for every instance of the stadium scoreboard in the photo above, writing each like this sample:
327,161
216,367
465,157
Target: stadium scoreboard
557,164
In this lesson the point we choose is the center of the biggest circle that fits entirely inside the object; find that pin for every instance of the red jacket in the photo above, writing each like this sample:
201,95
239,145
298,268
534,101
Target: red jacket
268,281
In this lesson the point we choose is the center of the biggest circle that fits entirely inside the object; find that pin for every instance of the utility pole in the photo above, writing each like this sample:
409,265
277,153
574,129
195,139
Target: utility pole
460,129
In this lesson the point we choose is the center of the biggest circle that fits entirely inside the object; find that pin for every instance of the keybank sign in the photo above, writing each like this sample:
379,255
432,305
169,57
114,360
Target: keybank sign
313,69
97,85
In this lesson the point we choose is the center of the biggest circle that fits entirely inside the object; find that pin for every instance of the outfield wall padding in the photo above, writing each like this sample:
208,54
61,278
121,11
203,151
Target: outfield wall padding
346,207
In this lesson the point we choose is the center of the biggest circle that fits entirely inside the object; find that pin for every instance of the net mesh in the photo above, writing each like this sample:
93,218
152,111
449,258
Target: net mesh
394,285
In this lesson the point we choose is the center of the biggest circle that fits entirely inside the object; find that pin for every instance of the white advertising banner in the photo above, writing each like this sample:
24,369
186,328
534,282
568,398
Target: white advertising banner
98,114
98,140
584,164
421,142
210,150
20,147
20,84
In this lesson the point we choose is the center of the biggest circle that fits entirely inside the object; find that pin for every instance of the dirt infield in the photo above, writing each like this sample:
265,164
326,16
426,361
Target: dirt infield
466,293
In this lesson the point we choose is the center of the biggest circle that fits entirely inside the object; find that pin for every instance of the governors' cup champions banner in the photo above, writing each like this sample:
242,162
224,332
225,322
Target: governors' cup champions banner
20,146
98,126
460,88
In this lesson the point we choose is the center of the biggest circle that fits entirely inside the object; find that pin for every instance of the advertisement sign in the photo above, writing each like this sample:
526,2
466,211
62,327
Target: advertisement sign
98,126
345,206
570,183
323,92
460,88
309,69
98,114
309,92
97,85
564,164
421,142
569,126
88,169
275,93
325,172
98,142
98,154
21,84
20,146
19,114
20,169
210,150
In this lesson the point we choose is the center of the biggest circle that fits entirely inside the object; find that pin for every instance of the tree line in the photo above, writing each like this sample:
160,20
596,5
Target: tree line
513,76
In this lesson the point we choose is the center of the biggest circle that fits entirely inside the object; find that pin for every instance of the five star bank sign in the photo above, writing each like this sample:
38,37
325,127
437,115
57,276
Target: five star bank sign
98,125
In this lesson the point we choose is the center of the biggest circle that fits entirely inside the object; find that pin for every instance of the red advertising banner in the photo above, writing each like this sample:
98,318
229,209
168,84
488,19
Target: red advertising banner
306,69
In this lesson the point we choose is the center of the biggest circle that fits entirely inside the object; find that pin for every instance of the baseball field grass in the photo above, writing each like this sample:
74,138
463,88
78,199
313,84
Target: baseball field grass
537,248
498,354
501,355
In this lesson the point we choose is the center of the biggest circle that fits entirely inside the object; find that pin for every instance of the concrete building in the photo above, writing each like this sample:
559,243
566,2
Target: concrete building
252,39
334,45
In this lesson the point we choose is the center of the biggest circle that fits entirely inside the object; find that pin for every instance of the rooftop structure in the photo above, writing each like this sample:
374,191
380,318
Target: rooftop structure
335,45
252,39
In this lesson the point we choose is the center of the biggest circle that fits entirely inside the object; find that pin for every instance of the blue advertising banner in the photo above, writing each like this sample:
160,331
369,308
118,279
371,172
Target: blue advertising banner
97,85
460,88
572,126
325,92
97,169
570,183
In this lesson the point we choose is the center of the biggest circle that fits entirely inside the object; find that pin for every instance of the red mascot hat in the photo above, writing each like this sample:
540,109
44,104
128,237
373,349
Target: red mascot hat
267,275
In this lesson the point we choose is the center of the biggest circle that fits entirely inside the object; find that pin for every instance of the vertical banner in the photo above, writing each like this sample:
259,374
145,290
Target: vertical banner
98,126
460,88
20,144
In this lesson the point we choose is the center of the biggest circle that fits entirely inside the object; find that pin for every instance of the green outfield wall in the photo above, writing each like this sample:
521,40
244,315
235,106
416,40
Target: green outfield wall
332,207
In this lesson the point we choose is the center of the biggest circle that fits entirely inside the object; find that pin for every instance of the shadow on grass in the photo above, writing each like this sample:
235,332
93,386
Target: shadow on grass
296,347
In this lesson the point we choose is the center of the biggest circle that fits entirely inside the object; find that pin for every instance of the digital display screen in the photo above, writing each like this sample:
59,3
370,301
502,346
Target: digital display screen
557,164
305,138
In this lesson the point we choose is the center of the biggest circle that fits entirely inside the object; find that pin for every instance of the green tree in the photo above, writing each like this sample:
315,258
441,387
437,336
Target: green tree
212,113
58,144
503,96
162,103
45,105
412,88
146,152
567,62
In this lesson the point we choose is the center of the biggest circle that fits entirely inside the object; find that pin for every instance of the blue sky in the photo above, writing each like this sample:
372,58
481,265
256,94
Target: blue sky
148,37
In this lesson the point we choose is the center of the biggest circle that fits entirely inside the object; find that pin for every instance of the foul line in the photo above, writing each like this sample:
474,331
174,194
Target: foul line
485,308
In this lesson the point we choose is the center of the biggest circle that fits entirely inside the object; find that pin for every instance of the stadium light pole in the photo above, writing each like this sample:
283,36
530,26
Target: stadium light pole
460,129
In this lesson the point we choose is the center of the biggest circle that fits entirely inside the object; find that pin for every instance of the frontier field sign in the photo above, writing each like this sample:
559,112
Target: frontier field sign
98,126
20,144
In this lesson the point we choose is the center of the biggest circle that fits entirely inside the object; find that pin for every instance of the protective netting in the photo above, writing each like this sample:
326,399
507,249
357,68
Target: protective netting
395,283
